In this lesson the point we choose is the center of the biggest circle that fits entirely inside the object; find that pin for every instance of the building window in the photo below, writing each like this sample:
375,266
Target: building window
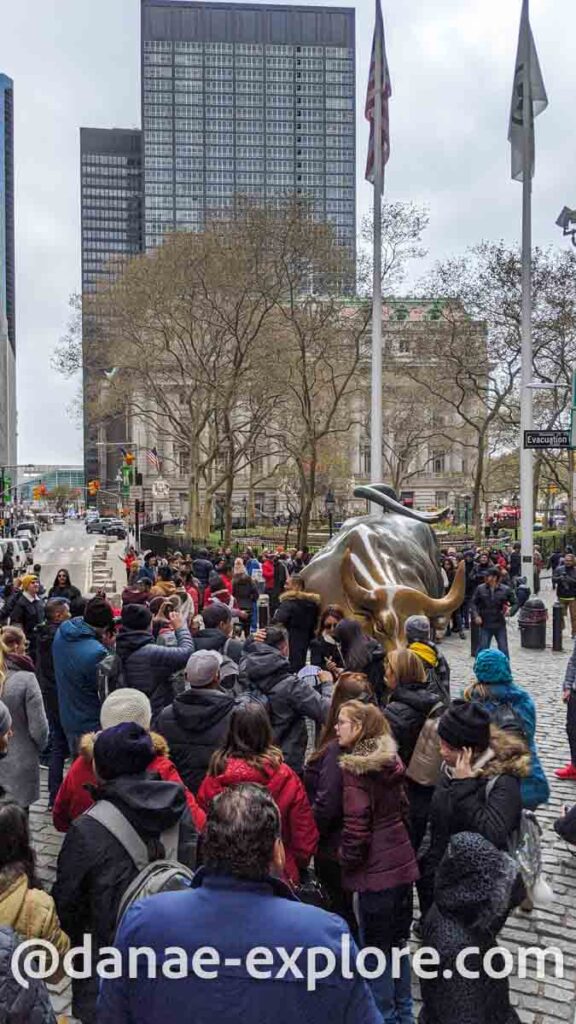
438,463
441,499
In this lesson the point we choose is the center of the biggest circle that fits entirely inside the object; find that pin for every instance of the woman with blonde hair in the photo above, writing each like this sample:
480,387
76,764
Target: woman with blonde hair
20,691
323,782
249,755
377,859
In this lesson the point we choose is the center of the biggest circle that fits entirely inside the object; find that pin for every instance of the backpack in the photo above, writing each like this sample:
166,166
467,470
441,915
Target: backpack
524,844
504,717
166,875
426,760
110,675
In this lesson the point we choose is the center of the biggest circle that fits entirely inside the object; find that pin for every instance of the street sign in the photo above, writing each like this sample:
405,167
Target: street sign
547,439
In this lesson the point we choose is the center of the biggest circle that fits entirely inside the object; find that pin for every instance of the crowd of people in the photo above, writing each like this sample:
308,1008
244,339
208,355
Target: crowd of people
272,768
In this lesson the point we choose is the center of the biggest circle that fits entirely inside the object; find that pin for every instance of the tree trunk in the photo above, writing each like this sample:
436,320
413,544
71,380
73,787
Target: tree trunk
228,492
477,490
307,492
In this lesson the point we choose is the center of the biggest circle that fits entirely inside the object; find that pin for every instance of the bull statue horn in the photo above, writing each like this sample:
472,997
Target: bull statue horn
414,602
359,596
386,498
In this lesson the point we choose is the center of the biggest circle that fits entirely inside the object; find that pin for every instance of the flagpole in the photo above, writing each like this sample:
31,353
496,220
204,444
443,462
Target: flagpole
376,405
526,462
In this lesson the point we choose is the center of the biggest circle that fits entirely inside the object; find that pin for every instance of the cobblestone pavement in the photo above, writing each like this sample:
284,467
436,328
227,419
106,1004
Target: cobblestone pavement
550,1001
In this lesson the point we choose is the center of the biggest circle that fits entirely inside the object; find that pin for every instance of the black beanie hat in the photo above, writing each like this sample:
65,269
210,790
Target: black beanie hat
136,616
98,613
465,724
124,749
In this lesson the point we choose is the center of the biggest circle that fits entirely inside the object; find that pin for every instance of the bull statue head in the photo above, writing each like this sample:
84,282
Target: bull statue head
384,568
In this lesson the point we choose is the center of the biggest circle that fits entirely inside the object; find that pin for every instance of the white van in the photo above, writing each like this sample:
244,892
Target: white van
18,552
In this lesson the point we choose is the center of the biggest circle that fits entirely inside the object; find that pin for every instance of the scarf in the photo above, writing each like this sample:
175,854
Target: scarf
20,662
424,652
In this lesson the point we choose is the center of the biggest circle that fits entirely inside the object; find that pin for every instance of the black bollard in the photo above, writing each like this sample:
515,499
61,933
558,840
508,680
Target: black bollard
557,624
263,611
474,638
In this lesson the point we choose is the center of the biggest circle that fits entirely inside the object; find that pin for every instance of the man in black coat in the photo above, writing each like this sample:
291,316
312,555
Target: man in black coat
217,632
94,867
265,669
298,612
57,611
147,666
196,723
491,603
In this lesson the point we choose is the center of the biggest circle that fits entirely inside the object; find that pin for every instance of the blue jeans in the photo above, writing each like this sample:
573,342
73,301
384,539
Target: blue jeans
499,633
385,919
58,754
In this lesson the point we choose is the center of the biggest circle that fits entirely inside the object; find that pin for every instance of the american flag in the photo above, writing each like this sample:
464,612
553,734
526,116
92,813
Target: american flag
153,458
385,87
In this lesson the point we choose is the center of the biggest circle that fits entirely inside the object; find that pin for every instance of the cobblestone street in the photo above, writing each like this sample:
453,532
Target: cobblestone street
549,1001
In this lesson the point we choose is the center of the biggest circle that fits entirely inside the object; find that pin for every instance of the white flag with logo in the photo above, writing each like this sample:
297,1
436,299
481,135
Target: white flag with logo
527,75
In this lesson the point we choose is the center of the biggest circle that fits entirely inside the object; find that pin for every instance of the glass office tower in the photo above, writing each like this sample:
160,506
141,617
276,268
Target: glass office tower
246,99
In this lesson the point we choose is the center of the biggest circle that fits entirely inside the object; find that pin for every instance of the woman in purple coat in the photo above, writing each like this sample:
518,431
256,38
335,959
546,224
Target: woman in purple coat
323,782
376,855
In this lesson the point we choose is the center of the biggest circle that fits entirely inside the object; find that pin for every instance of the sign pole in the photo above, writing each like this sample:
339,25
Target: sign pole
526,461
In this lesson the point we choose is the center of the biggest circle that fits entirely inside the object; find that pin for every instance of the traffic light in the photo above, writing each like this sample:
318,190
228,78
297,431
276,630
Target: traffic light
93,487
128,458
7,489
36,493
43,490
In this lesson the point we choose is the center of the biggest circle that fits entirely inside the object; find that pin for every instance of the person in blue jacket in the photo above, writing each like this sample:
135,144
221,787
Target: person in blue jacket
496,689
240,909
79,646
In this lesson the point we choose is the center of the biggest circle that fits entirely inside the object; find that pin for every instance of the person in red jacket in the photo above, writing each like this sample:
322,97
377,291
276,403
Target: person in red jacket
376,855
248,755
123,705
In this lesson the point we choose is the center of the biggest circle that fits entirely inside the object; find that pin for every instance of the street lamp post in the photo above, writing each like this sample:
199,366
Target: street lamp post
330,506
515,503
466,512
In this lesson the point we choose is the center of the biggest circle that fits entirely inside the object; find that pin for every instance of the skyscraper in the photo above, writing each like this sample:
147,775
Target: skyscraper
7,277
111,213
246,98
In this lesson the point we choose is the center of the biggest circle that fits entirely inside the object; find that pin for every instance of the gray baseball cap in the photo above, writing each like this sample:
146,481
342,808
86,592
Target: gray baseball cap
201,668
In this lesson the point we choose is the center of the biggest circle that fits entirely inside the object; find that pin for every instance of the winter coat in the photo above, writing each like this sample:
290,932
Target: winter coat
436,666
407,710
195,725
31,913
28,614
290,700
94,869
148,666
324,786
268,573
375,850
77,652
234,914
70,593
299,613
20,1005
45,666
20,769
565,580
75,795
373,666
462,805
489,603
472,896
323,649
299,832
245,591
216,640
534,787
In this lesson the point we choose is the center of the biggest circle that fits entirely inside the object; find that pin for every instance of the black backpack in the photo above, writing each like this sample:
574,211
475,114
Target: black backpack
110,675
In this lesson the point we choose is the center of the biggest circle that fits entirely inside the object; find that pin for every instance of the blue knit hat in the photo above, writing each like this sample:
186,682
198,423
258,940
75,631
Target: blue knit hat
492,666
124,749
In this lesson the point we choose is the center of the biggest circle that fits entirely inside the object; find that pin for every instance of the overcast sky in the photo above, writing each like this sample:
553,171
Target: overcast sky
76,62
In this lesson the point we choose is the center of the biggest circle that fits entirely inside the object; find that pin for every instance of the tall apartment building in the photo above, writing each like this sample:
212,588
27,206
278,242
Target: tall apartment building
112,231
246,99
7,277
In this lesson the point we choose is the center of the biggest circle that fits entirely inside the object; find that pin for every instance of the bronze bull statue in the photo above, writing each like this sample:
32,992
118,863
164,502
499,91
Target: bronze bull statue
383,568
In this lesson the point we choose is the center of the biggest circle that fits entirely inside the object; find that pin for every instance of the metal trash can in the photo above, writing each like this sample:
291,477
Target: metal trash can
532,623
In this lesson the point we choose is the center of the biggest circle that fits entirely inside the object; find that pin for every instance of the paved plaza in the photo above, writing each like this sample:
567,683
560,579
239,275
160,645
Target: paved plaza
548,1001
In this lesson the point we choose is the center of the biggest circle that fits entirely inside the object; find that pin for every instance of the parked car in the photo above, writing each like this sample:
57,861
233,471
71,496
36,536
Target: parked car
28,549
28,526
116,530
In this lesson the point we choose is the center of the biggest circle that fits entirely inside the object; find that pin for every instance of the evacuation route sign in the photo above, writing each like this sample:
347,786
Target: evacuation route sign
546,438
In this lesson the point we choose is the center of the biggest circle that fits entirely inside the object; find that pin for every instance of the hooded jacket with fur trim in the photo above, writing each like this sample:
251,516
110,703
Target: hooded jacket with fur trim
31,913
375,850
74,797
299,612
